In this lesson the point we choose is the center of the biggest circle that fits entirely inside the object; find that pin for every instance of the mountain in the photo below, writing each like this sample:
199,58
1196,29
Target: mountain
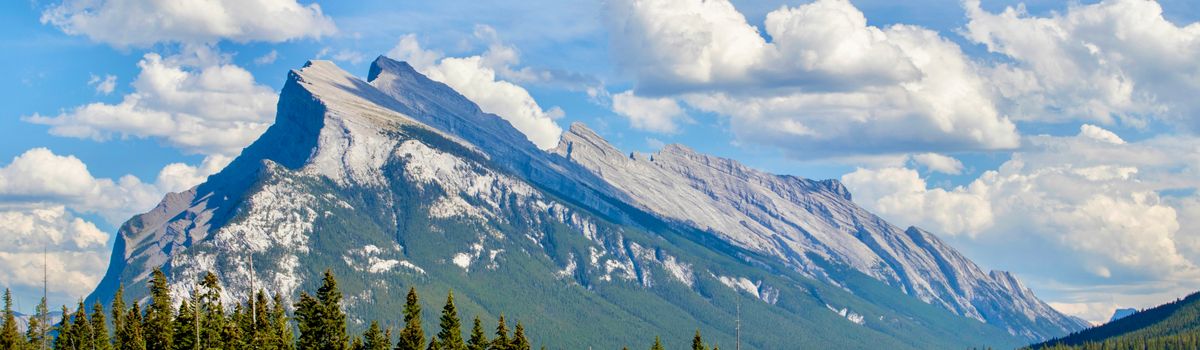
400,181
1122,313
1175,325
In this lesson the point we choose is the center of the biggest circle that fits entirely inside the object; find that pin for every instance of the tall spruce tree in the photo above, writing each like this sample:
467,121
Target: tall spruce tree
374,338
434,345
450,337
308,320
36,330
159,323
212,313
412,337
184,337
657,344
131,334
519,342
501,342
10,338
85,338
280,325
478,340
100,340
118,315
334,320
66,338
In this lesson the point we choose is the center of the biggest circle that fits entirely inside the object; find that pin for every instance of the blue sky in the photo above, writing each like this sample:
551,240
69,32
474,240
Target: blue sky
1054,140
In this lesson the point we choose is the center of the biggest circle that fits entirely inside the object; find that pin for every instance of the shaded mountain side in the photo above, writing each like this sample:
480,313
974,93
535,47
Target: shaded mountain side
1175,325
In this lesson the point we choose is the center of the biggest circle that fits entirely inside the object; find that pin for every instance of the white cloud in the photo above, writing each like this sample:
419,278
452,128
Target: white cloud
827,83
38,176
104,85
651,114
939,163
268,58
124,23
343,55
476,78
74,251
212,109
1086,217
1097,312
1116,60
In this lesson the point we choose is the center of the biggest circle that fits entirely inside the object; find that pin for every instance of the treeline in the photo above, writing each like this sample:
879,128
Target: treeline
260,322
1175,325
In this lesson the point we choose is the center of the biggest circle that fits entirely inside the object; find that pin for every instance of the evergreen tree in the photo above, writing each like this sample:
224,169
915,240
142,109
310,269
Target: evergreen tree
118,315
212,313
100,340
159,322
261,335
697,342
283,330
84,336
501,342
321,320
519,342
434,345
657,344
10,338
411,337
374,338
478,340
184,337
357,344
233,332
66,338
35,331
450,337
130,335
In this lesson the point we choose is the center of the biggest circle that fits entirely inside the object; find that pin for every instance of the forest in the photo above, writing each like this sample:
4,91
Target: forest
202,321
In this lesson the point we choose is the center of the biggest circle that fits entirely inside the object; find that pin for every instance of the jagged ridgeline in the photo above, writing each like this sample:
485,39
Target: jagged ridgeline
399,181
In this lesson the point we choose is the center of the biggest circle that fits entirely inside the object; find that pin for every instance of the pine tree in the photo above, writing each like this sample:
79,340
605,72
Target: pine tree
434,345
130,335
66,334
374,338
233,332
184,337
308,320
450,337
84,336
10,338
519,342
501,342
657,344
478,340
100,340
411,337
697,342
159,323
280,325
118,315
261,334
37,328
212,313
334,320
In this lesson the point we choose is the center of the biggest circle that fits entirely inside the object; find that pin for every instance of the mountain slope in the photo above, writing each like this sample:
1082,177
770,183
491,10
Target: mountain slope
802,222
401,182
1176,323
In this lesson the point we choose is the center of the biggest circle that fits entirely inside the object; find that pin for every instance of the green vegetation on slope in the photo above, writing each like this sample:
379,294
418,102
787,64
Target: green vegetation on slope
1175,325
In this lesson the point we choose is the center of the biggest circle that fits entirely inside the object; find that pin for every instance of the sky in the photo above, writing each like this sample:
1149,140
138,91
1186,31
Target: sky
1057,140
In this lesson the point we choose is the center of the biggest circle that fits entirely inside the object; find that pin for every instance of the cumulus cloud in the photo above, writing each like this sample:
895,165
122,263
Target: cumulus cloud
1084,210
476,78
1116,60
826,84
50,237
651,114
939,163
125,23
104,85
206,108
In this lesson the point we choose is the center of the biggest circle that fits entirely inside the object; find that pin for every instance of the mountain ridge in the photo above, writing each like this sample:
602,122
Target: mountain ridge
351,169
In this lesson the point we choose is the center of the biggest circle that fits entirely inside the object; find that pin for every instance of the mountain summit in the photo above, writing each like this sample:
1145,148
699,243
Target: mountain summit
400,181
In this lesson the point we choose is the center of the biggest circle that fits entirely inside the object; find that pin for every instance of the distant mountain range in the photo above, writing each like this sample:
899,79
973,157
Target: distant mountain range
400,181
1175,325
